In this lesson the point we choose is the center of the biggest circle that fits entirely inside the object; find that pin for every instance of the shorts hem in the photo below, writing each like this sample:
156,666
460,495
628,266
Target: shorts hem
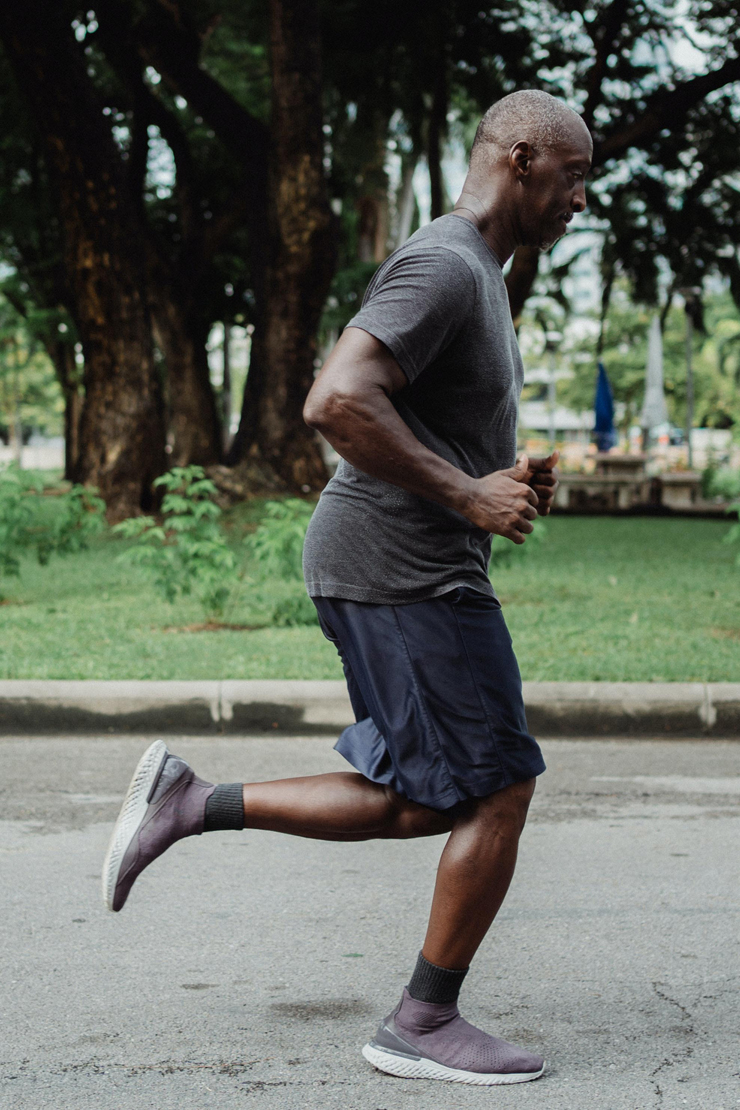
480,790
457,793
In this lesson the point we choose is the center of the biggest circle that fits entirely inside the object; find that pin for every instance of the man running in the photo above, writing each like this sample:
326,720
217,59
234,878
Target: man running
420,398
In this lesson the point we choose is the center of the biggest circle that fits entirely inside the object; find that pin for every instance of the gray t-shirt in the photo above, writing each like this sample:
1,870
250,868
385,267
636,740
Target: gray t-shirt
439,304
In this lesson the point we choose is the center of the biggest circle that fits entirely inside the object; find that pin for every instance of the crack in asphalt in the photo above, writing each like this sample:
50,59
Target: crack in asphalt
166,1067
678,1056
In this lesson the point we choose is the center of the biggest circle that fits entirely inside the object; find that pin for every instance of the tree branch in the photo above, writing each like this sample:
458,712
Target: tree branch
604,38
666,108
172,48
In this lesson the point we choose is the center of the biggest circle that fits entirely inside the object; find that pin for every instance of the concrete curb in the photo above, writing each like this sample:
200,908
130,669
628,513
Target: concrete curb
302,707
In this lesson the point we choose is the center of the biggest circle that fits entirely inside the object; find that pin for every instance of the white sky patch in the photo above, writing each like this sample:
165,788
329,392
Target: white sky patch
160,165
121,135
423,192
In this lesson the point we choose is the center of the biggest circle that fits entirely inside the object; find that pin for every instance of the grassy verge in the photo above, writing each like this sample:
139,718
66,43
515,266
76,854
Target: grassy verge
632,599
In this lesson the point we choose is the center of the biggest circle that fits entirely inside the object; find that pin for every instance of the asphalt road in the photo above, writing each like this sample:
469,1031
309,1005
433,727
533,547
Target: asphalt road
248,969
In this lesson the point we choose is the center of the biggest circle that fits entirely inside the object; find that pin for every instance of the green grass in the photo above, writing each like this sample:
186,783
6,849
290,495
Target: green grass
636,599
631,599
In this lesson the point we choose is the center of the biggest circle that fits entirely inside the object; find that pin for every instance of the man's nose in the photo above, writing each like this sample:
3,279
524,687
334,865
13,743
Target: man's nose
578,203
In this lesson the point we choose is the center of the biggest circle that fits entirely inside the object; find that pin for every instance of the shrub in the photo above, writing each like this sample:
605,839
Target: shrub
28,521
504,552
277,544
16,516
294,610
723,483
277,549
187,553
79,516
733,536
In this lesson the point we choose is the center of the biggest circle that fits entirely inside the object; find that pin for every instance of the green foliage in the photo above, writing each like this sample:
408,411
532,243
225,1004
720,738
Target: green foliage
188,552
27,524
724,483
80,516
733,536
277,550
345,296
504,553
716,358
295,610
16,515
29,392
277,545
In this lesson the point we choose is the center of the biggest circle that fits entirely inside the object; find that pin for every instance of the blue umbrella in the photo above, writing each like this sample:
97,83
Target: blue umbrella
604,409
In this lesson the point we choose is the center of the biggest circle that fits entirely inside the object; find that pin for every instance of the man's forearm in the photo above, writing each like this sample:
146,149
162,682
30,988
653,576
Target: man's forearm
369,434
350,404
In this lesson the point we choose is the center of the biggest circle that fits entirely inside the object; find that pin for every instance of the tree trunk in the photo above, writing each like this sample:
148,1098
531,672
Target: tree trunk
437,129
300,260
73,403
121,443
405,203
226,388
372,234
373,225
292,232
193,418
63,357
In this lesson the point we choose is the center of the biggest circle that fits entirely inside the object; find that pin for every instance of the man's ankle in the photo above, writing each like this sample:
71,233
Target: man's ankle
431,983
225,808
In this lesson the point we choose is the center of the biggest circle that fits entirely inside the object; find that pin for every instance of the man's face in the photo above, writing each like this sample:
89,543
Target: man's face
555,191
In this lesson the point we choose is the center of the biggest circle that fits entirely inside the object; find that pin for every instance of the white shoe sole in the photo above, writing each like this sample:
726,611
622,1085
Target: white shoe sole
428,1069
132,814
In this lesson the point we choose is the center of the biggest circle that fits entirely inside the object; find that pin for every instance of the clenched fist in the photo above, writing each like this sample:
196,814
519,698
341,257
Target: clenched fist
542,476
507,501
503,503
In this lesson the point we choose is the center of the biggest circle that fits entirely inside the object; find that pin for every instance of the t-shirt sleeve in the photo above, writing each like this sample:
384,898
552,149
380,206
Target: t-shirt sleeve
417,305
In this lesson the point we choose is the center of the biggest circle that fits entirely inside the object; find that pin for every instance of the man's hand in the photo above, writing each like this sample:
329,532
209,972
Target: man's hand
542,476
503,502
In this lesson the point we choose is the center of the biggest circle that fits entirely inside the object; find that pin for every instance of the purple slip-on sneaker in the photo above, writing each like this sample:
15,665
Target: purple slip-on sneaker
426,1040
165,802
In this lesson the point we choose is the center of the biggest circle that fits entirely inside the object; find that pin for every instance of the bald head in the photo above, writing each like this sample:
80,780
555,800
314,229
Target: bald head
531,116
528,169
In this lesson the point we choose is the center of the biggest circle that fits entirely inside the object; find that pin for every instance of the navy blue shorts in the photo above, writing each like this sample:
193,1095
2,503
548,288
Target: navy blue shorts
437,696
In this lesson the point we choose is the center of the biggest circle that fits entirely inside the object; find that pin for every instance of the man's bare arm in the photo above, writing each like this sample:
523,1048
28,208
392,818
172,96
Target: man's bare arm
350,405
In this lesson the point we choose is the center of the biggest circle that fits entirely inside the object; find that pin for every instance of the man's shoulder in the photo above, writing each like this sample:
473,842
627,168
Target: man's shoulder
450,249
454,234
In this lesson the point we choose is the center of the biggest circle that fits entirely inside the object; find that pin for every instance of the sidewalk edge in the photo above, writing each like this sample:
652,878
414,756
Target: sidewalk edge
594,709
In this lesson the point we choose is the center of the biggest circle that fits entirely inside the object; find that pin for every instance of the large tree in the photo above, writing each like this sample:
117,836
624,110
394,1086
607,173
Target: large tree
31,242
281,199
122,427
300,255
245,233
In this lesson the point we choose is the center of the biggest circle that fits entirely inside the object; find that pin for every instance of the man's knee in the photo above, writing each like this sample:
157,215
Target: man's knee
506,809
405,820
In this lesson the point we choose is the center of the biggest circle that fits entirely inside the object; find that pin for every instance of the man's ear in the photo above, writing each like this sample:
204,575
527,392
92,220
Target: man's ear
520,158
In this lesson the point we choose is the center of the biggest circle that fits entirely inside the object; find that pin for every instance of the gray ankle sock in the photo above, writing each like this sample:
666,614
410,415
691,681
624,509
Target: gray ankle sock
430,983
225,808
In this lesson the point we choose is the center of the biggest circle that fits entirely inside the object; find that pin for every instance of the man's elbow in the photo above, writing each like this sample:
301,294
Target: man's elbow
324,412
315,412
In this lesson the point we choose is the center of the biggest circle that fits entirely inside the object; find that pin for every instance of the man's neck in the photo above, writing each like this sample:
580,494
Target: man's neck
492,219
